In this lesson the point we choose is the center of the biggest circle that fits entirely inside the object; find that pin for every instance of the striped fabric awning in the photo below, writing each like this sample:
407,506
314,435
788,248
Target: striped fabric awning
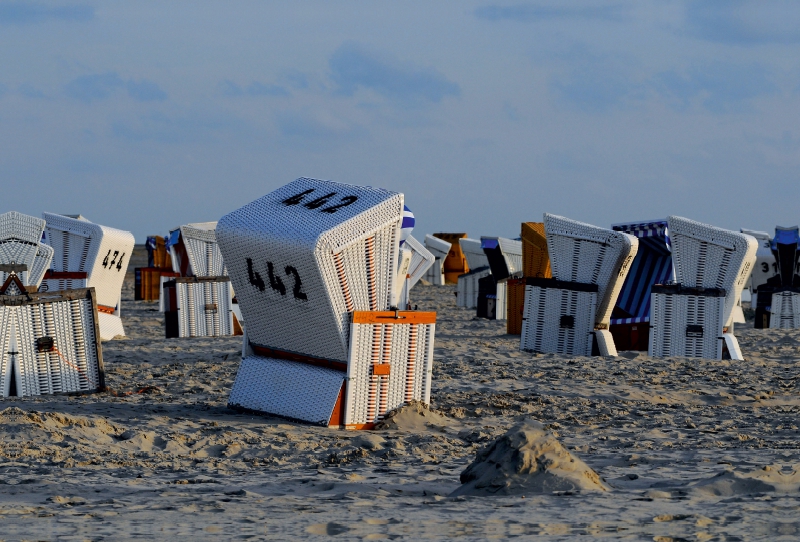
652,265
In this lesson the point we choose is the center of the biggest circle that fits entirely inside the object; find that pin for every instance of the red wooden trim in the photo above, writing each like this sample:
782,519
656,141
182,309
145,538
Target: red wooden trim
60,275
381,369
105,308
300,358
394,317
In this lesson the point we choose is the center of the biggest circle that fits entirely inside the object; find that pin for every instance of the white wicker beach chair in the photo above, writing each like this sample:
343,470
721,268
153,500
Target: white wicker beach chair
570,313
20,237
473,252
50,343
314,265
785,310
198,307
439,248
415,260
102,253
195,252
504,256
712,266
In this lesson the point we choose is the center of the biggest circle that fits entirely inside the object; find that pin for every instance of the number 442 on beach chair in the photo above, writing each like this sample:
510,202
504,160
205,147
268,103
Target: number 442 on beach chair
314,265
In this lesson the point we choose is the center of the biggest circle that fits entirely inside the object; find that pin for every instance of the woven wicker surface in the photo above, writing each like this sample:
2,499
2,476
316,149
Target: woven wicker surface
671,317
473,252
20,236
785,310
421,260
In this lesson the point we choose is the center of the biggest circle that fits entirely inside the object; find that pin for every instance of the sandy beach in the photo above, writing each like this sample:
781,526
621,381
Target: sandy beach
683,449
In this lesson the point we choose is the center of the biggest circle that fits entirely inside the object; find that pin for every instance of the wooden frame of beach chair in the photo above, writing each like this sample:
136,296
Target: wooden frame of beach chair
99,251
535,257
455,263
570,313
20,243
314,265
630,319
198,307
50,342
706,259
440,249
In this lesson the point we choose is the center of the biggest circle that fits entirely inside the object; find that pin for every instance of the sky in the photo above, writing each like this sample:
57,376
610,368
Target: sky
146,115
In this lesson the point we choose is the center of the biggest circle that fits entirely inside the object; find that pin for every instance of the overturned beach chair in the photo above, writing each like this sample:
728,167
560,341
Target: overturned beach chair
415,260
505,261
314,264
694,317
20,243
440,249
570,313
102,253
455,263
467,286
778,298
630,319
51,341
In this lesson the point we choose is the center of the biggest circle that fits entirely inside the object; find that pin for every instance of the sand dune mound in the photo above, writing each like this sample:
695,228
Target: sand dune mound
764,480
414,416
527,460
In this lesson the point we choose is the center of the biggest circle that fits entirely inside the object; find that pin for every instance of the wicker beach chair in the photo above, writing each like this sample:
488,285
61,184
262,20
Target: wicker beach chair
102,253
778,298
440,249
570,313
314,265
694,318
467,286
414,264
455,263
630,319
51,341
20,237
505,261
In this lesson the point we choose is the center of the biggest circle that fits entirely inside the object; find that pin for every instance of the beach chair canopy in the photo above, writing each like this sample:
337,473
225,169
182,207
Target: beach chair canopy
705,256
421,260
194,251
20,244
455,263
504,256
652,265
784,246
476,257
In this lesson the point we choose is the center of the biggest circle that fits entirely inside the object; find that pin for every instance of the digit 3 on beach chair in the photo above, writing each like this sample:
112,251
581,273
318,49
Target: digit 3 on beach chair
314,265
467,289
630,319
101,252
764,269
694,318
199,303
569,313
505,262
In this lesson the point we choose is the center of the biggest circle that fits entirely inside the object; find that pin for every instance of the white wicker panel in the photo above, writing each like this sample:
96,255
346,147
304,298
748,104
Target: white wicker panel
438,247
286,388
205,258
467,288
400,295
58,285
709,257
19,242
73,365
474,254
764,268
421,260
196,317
670,316
501,300
41,263
333,248
407,348
541,321
110,326
512,252
435,273
100,251
785,310
584,253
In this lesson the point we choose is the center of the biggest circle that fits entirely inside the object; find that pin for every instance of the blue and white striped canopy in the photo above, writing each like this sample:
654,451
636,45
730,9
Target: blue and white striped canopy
407,224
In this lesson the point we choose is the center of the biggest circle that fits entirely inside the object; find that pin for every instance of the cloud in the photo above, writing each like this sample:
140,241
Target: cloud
100,86
596,83
720,87
24,13
95,87
182,127
314,129
744,23
256,88
353,67
145,91
532,13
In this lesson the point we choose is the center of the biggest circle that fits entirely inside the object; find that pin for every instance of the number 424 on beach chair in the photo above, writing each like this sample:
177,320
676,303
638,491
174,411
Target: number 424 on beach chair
314,266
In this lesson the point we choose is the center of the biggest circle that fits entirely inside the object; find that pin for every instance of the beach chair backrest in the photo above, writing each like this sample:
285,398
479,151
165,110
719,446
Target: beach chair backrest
421,260
100,251
504,256
476,257
20,236
205,258
535,258
709,257
588,254
652,265
305,256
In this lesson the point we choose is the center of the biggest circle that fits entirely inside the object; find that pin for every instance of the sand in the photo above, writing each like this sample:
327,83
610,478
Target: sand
682,449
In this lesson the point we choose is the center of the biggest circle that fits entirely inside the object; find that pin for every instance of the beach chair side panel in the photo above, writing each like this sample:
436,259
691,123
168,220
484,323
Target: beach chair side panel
558,320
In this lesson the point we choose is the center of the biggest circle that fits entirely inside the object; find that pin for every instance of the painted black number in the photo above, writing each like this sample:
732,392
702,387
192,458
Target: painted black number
764,267
119,263
113,259
297,198
345,201
275,282
255,278
105,260
319,202
298,284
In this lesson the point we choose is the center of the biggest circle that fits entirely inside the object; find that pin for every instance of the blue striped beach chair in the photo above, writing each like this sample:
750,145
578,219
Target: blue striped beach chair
630,320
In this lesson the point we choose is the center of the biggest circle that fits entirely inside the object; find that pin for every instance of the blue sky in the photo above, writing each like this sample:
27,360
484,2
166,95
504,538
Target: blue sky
146,115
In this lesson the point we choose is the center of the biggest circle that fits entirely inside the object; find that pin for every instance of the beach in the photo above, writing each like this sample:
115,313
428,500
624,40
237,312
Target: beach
684,448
